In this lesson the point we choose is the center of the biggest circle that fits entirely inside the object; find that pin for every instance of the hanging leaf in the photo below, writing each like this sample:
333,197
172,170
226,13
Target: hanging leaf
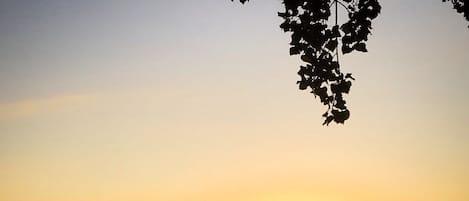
360,47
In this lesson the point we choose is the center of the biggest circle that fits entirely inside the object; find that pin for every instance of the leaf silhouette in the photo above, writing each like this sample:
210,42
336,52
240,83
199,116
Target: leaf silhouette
360,47
318,45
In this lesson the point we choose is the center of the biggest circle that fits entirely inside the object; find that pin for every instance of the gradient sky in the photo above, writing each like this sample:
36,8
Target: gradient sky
181,101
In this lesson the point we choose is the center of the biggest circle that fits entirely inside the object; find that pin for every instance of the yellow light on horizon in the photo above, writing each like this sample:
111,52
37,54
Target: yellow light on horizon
294,196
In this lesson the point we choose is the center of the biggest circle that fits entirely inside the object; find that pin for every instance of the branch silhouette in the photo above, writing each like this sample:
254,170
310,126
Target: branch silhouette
461,6
320,44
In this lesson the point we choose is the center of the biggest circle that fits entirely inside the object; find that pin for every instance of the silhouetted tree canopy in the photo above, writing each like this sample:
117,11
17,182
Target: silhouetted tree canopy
318,43
461,6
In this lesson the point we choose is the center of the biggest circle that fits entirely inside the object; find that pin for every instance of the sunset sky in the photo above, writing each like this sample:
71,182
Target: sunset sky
184,100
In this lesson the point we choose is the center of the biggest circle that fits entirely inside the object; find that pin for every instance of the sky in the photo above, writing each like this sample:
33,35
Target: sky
182,101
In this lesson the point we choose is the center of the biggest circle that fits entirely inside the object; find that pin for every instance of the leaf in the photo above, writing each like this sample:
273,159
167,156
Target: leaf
349,76
294,50
307,58
346,86
325,114
342,87
346,49
340,116
332,45
360,47
285,26
340,103
304,71
328,120
335,65
283,15
335,31
303,84
242,1
346,28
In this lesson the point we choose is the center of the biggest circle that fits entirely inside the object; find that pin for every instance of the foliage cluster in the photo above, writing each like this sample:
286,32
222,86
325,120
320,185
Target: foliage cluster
319,44
461,6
